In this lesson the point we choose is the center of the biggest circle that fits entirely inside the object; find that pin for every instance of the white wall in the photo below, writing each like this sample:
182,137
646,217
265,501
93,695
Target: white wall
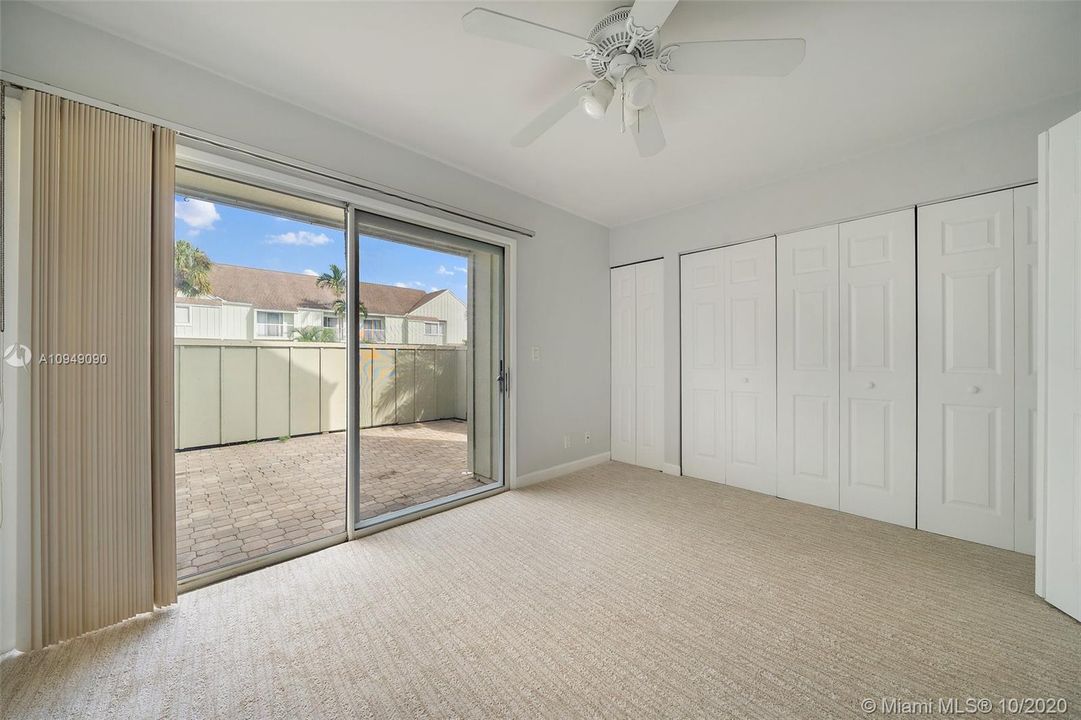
985,155
562,289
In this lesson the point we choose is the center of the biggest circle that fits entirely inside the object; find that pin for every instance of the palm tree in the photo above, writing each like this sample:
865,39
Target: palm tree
192,269
334,280
314,333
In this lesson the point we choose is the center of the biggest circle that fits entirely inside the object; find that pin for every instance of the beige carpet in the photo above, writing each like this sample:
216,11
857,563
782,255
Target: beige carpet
614,592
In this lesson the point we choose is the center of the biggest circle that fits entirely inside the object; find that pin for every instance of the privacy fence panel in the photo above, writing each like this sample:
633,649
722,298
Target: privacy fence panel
231,392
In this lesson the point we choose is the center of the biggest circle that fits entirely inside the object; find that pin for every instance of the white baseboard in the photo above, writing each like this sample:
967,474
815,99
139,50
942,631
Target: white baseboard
563,469
671,469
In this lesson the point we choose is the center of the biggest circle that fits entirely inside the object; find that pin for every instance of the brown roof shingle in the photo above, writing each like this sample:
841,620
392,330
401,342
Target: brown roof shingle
278,290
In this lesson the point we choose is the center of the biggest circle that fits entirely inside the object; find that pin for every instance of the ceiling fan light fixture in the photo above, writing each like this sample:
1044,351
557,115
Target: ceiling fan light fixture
596,100
639,89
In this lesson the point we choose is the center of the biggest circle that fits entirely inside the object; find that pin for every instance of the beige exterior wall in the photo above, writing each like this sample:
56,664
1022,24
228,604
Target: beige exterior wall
448,308
239,391
238,322
395,327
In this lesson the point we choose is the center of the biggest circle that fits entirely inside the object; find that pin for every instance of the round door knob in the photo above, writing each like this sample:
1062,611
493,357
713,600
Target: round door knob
871,385
746,380
974,389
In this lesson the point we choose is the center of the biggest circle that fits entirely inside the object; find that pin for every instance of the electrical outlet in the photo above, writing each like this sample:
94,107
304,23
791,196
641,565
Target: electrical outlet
536,353
566,441
587,438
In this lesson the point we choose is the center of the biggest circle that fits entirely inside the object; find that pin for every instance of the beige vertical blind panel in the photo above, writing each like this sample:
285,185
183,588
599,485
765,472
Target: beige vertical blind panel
162,292
95,535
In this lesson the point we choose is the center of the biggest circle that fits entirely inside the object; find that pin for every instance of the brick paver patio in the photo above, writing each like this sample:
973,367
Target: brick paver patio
241,501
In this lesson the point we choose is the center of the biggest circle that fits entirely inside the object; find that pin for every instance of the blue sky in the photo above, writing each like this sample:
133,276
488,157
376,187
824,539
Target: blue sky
239,236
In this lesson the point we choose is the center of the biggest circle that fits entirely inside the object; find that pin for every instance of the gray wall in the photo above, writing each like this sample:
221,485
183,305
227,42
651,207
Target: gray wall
985,155
562,281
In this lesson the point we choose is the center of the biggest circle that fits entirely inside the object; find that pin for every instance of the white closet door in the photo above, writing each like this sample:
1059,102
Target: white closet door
966,378
1025,266
702,364
878,367
808,375
649,371
751,376
624,297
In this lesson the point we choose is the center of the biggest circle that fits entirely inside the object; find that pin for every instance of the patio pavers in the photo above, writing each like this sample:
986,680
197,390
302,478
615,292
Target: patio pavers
237,502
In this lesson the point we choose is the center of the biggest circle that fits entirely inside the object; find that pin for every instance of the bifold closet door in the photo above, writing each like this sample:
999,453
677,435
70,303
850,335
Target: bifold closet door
624,350
878,367
1025,242
649,364
808,373
966,369
751,370
702,364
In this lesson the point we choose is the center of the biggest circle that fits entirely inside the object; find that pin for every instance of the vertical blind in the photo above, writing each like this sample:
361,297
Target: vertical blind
102,505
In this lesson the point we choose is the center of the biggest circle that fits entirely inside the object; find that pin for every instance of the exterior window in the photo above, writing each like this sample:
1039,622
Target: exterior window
273,324
332,322
433,328
374,331
182,315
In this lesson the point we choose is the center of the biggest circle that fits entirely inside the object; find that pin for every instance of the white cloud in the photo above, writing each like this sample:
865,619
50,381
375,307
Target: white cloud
461,269
433,289
309,271
196,214
443,271
400,285
302,237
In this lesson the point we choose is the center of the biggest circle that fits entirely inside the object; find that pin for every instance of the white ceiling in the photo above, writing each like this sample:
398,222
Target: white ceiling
875,74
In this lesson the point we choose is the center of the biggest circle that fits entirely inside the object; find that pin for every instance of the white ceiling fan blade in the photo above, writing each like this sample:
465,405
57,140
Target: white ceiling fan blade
647,132
649,14
549,117
498,26
733,57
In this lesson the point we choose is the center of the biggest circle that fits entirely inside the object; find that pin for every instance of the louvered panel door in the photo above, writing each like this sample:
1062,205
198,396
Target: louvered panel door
751,368
624,350
966,369
808,375
649,370
1025,267
702,364
878,367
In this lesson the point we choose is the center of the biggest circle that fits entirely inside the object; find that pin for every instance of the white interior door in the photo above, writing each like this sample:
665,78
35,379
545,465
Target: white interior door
878,367
1058,500
1025,272
751,373
808,374
624,350
649,370
966,378
702,364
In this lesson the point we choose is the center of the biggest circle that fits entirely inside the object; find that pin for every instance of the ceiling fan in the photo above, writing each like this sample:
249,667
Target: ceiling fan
618,50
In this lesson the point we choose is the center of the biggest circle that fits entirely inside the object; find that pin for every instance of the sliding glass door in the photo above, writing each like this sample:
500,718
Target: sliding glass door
429,361
335,370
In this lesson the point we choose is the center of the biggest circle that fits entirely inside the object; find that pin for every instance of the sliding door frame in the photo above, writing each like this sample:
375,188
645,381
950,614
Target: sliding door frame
297,181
